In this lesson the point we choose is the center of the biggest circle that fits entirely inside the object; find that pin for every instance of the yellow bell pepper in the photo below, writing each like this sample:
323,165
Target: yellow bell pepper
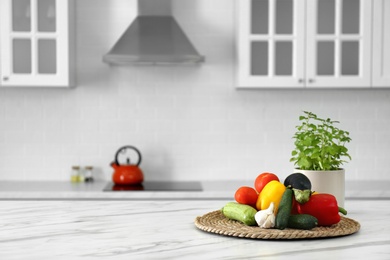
272,192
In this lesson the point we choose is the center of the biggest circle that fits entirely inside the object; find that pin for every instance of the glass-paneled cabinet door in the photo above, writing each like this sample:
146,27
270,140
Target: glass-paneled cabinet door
270,47
338,43
34,43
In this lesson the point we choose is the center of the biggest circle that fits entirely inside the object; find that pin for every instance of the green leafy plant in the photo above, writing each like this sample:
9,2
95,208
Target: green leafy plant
319,144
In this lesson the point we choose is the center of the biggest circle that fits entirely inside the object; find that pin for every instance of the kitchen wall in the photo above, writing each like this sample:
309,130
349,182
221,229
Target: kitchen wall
189,122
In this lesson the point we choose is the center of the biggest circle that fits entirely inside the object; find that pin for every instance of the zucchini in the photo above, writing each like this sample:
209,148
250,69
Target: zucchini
284,210
302,221
240,212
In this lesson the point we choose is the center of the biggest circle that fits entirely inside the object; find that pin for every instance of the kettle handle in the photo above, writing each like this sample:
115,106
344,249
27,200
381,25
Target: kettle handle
128,147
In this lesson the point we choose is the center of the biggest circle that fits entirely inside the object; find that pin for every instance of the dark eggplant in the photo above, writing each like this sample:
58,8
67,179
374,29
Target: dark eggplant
301,186
298,181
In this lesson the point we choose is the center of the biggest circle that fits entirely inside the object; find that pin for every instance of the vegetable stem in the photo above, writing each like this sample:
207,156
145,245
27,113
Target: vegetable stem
343,211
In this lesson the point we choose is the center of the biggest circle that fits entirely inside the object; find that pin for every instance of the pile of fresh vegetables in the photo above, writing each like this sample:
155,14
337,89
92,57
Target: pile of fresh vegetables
292,204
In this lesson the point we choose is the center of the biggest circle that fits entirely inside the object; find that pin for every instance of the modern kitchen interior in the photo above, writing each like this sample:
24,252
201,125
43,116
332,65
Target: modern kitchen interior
131,125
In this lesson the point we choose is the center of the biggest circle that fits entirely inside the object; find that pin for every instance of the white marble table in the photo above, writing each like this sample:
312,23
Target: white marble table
150,229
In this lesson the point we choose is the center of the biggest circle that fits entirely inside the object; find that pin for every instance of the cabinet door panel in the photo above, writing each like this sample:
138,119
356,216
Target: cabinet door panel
47,62
342,47
21,56
259,58
350,58
350,16
284,16
284,58
381,43
35,42
21,15
46,15
269,46
325,58
259,16
326,14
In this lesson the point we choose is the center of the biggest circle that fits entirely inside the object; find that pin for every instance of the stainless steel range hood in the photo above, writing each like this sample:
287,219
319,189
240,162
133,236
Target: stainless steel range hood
154,37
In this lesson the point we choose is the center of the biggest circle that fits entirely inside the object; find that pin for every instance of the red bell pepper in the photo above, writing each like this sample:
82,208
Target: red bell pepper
294,208
323,207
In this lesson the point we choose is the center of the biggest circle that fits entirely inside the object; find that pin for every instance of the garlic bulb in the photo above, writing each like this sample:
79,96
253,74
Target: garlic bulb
266,218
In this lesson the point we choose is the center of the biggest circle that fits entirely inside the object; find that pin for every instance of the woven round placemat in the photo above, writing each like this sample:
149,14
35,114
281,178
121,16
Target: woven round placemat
216,222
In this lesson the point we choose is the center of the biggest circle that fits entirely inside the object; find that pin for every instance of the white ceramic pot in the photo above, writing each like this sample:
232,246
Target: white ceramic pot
332,182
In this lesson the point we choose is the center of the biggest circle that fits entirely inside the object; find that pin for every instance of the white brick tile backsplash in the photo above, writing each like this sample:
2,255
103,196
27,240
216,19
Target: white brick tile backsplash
23,137
10,125
173,138
21,111
136,113
192,126
191,76
383,113
207,139
99,113
156,127
190,122
156,101
11,150
147,75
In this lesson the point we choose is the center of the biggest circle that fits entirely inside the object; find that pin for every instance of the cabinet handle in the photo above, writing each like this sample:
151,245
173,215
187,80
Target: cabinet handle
301,81
5,78
311,80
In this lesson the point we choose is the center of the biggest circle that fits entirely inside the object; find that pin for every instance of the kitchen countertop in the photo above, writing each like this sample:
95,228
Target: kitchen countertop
158,229
211,190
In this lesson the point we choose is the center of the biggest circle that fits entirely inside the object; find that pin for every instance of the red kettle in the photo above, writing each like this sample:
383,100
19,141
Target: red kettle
127,174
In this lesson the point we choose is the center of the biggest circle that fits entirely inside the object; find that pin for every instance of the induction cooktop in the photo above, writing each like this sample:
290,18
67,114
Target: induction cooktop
157,186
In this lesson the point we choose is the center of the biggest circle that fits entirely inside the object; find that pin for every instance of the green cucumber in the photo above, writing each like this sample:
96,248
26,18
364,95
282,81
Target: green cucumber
240,212
302,221
284,209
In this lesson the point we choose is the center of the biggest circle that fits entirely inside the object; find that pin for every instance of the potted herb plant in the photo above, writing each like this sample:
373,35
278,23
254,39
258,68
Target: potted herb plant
320,152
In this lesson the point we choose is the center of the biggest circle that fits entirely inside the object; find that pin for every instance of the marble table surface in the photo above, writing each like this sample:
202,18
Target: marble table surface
164,229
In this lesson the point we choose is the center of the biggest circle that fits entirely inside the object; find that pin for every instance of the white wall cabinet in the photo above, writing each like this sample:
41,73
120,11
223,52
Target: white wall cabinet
36,46
304,43
381,43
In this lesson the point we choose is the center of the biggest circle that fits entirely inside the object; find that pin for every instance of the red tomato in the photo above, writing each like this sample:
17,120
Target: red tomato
246,195
263,179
